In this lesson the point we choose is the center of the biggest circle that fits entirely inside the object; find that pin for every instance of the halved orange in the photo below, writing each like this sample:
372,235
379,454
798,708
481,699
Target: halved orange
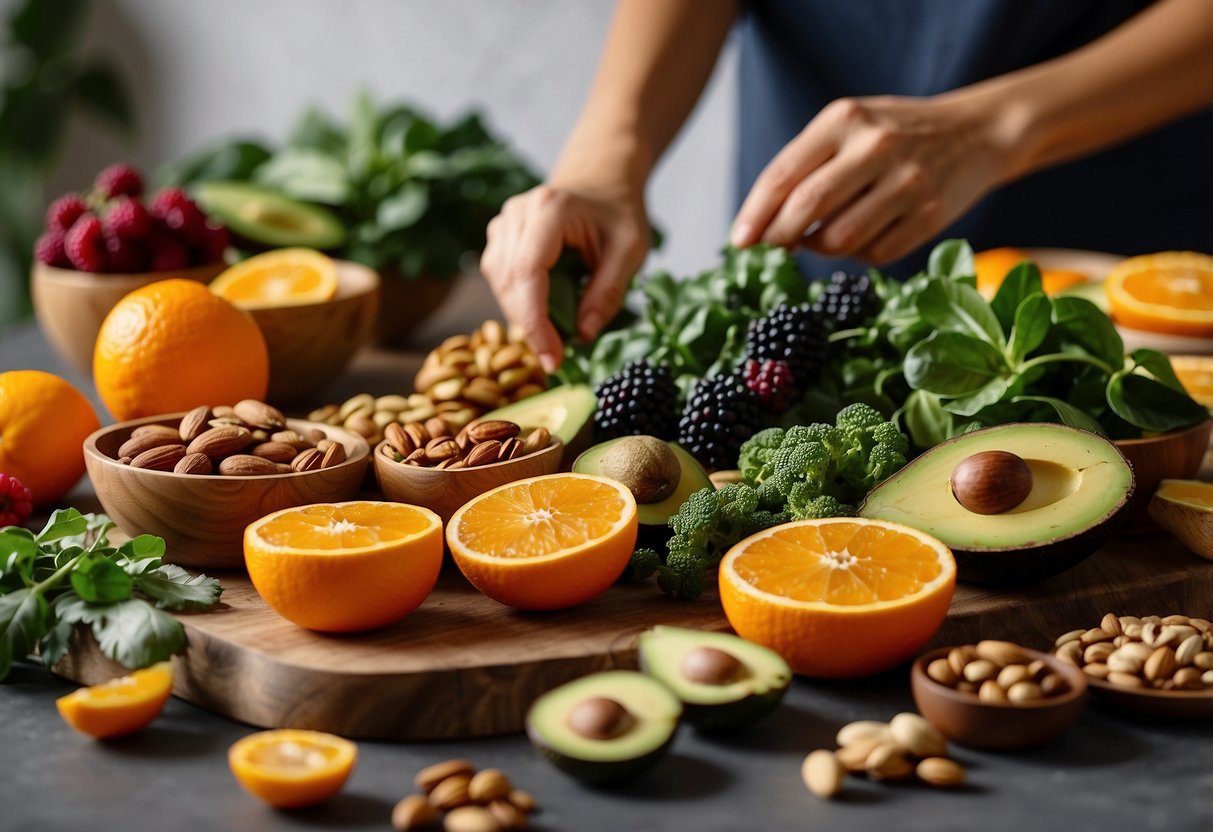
1170,292
289,768
344,567
841,597
994,264
1196,374
119,706
547,542
284,277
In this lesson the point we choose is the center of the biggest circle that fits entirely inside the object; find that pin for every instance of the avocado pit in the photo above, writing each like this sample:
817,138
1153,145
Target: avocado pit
599,718
991,482
709,666
645,464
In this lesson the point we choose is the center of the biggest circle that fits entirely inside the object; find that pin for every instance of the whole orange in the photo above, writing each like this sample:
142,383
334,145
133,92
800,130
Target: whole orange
175,345
43,424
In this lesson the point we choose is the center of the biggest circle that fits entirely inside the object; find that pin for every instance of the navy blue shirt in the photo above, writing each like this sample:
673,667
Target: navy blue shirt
1152,193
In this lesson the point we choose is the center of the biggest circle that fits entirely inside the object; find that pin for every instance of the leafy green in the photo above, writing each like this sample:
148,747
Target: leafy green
69,575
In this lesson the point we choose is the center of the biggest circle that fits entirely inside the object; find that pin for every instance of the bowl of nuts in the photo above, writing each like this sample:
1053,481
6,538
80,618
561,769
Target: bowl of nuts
430,464
996,694
197,479
1155,666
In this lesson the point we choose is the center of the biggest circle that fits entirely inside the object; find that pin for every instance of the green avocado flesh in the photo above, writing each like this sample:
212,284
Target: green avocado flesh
694,477
655,712
565,411
759,687
270,218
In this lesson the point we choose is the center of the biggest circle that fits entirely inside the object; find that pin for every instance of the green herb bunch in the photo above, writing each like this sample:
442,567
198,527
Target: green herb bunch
69,574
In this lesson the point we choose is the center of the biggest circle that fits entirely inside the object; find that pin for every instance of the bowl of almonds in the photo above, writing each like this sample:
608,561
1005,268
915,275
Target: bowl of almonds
197,479
433,465
996,694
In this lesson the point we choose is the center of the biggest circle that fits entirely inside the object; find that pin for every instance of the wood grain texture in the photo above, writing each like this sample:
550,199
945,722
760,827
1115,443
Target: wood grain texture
202,518
1170,456
465,666
70,305
444,491
310,344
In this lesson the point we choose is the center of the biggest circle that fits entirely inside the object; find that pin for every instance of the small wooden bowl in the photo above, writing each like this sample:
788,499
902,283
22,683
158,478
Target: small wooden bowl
202,518
966,720
71,305
1170,456
310,344
1169,704
443,491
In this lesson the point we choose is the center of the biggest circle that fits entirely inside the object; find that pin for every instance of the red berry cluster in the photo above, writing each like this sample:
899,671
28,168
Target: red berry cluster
110,230
771,381
16,501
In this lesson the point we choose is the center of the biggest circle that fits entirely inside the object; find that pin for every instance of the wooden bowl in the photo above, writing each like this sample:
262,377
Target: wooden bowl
1170,456
443,492
966,720
202,518
1169,704
310,344
71,305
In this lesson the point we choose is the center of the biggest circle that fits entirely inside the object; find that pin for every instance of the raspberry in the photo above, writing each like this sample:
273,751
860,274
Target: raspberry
49,249
128,219
187,222
213,247
166,200
795,334
125,256
119,180
168,254
771,381
64,211
16,501
85,245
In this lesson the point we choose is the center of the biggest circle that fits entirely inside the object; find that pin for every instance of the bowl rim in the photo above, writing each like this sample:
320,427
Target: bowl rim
1102,685
1076,678
82,279
372,286
1174,435
555,443
361,450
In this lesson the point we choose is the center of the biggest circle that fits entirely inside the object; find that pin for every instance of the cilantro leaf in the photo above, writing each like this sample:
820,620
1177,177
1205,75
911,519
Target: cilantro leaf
172,588
136,634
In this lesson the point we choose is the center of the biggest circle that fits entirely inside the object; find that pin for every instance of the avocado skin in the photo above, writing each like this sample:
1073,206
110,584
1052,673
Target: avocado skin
725,717
225,199
597,772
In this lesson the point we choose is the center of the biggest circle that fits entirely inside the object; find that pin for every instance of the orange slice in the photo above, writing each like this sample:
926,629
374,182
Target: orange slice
119,706
343,567
285,277
547,542
1171,292
288,768
993,265
841,597
1196,374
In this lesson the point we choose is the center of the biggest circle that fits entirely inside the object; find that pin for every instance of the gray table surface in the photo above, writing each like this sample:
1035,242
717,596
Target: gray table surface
1108,772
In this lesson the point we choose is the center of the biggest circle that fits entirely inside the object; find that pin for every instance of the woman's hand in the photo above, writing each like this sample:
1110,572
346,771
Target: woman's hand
874,178
607,226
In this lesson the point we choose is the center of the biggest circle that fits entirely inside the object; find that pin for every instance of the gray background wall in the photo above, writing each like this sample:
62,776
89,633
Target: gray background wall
203,70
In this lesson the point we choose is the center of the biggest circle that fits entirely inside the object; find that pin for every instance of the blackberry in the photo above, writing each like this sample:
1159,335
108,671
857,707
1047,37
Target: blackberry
848,300
639,399
793,334
720,414
771,381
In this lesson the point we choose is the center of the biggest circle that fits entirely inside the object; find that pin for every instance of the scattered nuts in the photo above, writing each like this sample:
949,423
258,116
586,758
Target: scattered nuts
413,812
507,814
888,762
451,792
822,773
1163,653
431,776
940,771
918,736
487,785
470,819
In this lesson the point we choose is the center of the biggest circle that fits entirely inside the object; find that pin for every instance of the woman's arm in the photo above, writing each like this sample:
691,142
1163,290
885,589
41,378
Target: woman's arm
877,177
657,59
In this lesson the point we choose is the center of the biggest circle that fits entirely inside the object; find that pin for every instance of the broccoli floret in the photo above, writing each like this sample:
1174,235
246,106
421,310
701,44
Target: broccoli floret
884,461
804,506
858,416
888,434
737,501
808,460
698,515
754,459
773,491
682,575
760,520
644,563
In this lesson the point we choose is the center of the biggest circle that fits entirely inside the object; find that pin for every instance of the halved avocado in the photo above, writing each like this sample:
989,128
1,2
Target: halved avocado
566,411
643,736
1080,486
269,218
1092,290
724,681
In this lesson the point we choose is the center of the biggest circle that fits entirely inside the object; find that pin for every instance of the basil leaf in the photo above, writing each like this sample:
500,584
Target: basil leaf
136,634
1033,318
1066,412
18,551
24,618
1158,364
972,404
923,418
63,523
172,588
951,258
404,208
950,306
1022,281
307,174
1151,405
952,364
143,546
1080,322
99,580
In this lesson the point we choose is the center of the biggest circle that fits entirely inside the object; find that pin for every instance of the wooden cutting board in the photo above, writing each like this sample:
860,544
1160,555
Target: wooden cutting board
465,666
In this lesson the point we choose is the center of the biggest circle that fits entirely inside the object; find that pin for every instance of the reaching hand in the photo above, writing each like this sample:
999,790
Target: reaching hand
874,178
526,239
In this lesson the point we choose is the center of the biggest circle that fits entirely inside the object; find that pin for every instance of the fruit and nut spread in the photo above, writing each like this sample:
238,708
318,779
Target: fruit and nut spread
473,801
248,439
997,672
1170,653
435,444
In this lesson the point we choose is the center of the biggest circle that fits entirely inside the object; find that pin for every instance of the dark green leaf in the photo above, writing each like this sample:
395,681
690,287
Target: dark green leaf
24,618
1023,280
136,634
1151,405
951,258
989,393
316,131
18,551
172,588
100,90
1032,320
48,29
924,420
308,175
143,546
403,208
65,522
230,161
54,644
1158,364
950,306
1081,323
1067,413
99,580
952,364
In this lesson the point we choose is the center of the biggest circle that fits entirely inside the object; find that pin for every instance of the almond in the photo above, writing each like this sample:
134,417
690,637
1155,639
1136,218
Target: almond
1001,653
431,776
522,801
124,460
246,465
822,773
413,812
222,441
537,440
163,430
451,792
512,379
223,411
442,448
194,423
308,460
363,425
484,392
483,453
334,455
398,439
525,391
316,436
161,458
489,784
292,438
510,448
417,434
194,464
324,414
275,451
136,445
940,771
437,426
418,457
507,814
